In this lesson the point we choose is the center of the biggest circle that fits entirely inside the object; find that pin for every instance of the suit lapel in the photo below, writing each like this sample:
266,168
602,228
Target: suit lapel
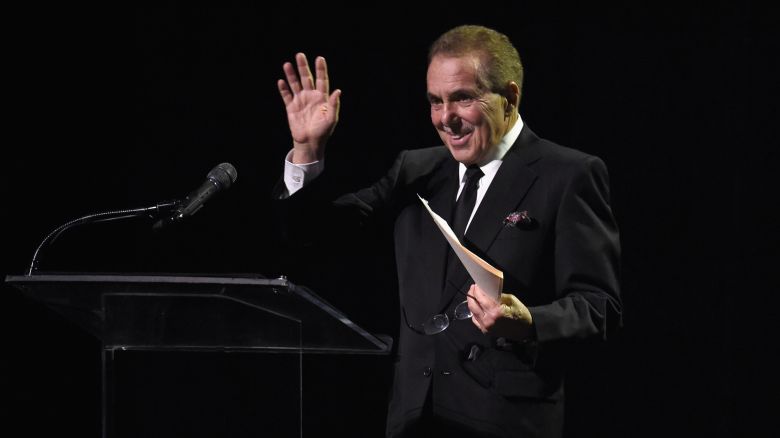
508,188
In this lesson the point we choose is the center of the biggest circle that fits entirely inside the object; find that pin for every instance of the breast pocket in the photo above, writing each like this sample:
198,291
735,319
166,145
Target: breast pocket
510,233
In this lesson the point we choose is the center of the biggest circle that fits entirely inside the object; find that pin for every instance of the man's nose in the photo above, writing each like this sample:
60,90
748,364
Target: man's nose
449,116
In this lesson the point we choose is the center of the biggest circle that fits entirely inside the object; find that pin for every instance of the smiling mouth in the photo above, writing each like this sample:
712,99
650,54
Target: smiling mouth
458,139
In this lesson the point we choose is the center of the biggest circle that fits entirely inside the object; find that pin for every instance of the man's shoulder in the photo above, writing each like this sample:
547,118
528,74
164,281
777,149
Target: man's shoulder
554,161
563,166
531,147
562,154
565,159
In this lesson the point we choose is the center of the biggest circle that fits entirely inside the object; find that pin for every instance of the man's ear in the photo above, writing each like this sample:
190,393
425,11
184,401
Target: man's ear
513,94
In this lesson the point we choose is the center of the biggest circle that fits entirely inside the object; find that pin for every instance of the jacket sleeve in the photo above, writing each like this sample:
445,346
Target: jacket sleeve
586,261
304,217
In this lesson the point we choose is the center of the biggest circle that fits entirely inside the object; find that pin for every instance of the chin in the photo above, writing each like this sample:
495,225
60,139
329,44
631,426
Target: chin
465,156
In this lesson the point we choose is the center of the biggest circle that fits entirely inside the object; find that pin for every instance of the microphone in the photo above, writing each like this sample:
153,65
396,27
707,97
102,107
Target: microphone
218,179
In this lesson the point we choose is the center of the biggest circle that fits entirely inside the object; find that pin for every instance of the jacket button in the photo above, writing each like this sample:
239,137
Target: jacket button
427,371
446,373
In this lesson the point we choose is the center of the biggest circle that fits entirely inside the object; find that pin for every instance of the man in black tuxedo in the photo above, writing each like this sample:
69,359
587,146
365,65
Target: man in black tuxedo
537,211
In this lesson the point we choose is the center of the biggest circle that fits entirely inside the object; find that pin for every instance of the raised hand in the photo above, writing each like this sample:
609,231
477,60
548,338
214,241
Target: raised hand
312,112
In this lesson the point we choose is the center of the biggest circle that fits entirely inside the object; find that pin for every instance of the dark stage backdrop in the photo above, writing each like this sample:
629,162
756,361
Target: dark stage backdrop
118,106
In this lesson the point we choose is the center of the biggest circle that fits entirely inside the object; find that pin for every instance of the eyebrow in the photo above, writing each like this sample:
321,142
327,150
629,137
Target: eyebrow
455,95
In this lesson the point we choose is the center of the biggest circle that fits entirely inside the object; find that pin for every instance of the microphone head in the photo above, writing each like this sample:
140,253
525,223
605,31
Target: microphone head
224,174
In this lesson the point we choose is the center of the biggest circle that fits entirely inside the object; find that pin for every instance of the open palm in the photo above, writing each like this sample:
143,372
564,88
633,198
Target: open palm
312,113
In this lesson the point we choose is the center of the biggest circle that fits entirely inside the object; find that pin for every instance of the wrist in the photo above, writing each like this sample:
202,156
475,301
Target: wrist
305,154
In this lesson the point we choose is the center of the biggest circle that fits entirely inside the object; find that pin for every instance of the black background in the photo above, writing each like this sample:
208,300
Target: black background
114,107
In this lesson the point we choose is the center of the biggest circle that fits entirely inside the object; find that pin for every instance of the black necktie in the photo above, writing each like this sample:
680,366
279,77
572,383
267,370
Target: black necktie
466,201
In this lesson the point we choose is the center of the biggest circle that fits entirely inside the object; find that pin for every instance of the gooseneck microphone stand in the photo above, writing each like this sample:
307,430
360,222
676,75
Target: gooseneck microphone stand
153,212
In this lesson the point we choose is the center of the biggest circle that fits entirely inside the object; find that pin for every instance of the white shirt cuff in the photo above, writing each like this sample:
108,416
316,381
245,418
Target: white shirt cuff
298,175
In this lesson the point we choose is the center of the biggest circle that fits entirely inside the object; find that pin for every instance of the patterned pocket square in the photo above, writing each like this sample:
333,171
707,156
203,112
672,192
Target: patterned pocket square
519,219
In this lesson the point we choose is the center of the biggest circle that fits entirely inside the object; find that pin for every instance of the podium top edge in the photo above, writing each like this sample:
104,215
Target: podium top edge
145,278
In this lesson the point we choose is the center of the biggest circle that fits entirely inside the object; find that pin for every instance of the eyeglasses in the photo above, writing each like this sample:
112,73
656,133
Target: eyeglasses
439,322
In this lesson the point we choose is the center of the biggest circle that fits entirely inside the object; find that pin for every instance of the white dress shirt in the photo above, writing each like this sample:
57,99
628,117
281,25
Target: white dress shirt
490,166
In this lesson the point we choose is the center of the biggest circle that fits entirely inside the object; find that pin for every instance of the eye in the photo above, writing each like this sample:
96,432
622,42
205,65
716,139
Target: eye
463,99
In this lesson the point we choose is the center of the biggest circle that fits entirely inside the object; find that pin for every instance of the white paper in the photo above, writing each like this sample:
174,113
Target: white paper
488,278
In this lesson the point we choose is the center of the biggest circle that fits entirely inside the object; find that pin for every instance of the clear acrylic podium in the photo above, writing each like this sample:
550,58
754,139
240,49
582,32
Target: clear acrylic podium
180,313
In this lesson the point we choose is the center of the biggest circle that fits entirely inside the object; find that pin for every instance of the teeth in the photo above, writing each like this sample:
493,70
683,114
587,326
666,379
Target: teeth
456,136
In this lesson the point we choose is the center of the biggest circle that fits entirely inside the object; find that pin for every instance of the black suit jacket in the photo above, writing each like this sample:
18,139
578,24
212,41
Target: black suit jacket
563,265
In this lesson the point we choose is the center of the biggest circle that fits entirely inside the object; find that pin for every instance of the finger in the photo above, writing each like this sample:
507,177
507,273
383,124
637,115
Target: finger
470,293
475,306
480,297
477,292
284,91
321,69
484,299
303,71
478,324
472,300
335,102
292,78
